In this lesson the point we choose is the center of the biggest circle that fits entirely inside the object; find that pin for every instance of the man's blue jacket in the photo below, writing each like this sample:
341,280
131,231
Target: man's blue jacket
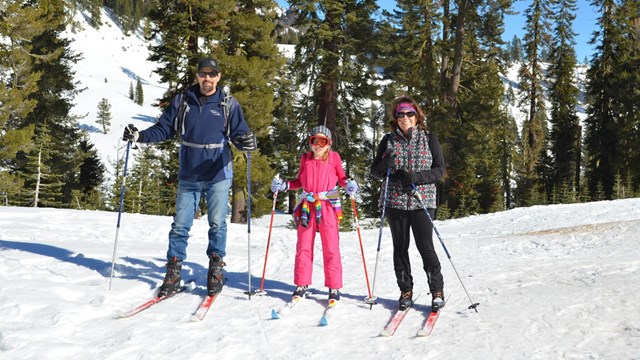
204,126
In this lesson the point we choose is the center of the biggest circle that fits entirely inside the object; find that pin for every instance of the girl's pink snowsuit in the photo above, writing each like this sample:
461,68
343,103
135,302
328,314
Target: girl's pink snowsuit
318,176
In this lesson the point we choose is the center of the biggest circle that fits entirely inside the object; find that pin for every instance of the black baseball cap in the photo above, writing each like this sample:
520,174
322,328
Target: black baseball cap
208,62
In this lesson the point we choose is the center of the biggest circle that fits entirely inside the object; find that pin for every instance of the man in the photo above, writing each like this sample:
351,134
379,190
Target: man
206,120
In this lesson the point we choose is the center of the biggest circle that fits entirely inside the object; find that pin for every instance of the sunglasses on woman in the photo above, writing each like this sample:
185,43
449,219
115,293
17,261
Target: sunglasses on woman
410,114
319,141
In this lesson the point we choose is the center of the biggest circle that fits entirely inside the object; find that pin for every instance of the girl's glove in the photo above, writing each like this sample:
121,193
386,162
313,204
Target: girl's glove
351,187
278,184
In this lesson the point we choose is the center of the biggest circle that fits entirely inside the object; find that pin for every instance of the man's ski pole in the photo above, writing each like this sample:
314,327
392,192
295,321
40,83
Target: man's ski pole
124,181
249,222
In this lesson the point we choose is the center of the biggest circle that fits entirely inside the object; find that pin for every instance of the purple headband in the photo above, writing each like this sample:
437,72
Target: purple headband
405,107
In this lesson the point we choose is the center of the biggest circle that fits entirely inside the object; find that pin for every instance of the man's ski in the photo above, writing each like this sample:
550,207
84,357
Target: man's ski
328,312
286,308
204,307
147,304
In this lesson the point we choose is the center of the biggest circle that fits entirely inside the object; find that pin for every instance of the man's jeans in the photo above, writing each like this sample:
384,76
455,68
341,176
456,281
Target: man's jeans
187,203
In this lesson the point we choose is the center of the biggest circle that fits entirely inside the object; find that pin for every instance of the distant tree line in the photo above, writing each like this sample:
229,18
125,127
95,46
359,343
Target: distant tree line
351,59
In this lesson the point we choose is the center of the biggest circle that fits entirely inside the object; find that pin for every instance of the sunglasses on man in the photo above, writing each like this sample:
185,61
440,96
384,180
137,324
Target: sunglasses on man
211,74
319,141
410,114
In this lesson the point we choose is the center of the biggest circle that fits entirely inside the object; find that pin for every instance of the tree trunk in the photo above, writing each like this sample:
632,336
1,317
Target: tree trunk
238,204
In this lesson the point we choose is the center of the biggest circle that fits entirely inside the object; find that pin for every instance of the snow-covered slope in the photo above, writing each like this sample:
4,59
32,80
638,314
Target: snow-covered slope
111,63
554,282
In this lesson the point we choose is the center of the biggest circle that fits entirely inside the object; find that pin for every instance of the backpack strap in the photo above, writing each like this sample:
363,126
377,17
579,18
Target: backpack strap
178,125
227,103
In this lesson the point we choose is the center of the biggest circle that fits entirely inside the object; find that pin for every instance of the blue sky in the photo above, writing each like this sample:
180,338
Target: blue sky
584,24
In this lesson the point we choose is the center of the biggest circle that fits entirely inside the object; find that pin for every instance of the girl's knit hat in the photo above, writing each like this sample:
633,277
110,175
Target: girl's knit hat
322,130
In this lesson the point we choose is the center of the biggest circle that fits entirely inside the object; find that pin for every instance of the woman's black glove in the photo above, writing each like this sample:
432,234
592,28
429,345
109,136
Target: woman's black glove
411,177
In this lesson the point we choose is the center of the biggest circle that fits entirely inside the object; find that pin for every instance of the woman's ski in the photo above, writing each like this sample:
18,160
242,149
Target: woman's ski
396,320
429,323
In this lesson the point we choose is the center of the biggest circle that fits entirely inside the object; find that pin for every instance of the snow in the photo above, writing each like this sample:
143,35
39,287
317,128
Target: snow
553,282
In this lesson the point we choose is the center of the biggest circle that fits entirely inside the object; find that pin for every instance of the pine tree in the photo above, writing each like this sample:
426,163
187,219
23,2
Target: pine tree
132,94
17,32
43,186
333,61
57,88
250,63
531,75
286,144
139,93
104,115
602,126
565,136
627,83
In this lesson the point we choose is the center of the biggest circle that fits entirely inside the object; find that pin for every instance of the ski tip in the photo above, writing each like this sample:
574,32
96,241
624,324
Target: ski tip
421,333
194,318
385,333
274,314
324,321
120,314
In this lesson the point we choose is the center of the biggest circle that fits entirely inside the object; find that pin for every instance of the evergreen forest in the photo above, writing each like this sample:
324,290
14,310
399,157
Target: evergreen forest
351,60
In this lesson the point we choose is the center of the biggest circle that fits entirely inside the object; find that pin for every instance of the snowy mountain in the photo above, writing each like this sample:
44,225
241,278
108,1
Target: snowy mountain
553,282
111,63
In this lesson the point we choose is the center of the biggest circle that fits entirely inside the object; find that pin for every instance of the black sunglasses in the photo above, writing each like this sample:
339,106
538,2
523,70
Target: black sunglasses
211,74
400,115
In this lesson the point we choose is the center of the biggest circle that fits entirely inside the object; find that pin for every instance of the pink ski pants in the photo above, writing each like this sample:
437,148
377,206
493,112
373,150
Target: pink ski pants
330,237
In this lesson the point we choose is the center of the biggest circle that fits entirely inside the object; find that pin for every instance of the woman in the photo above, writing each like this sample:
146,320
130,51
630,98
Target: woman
414,159
319,210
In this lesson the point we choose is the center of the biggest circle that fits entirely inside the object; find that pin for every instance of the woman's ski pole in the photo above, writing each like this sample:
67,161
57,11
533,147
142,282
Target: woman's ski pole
419,197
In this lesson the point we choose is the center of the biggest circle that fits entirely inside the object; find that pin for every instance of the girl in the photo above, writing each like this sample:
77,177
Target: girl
319,210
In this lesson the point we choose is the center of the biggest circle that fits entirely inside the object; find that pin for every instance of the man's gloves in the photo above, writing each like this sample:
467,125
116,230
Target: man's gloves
278,184
246,142
131,133
351,188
